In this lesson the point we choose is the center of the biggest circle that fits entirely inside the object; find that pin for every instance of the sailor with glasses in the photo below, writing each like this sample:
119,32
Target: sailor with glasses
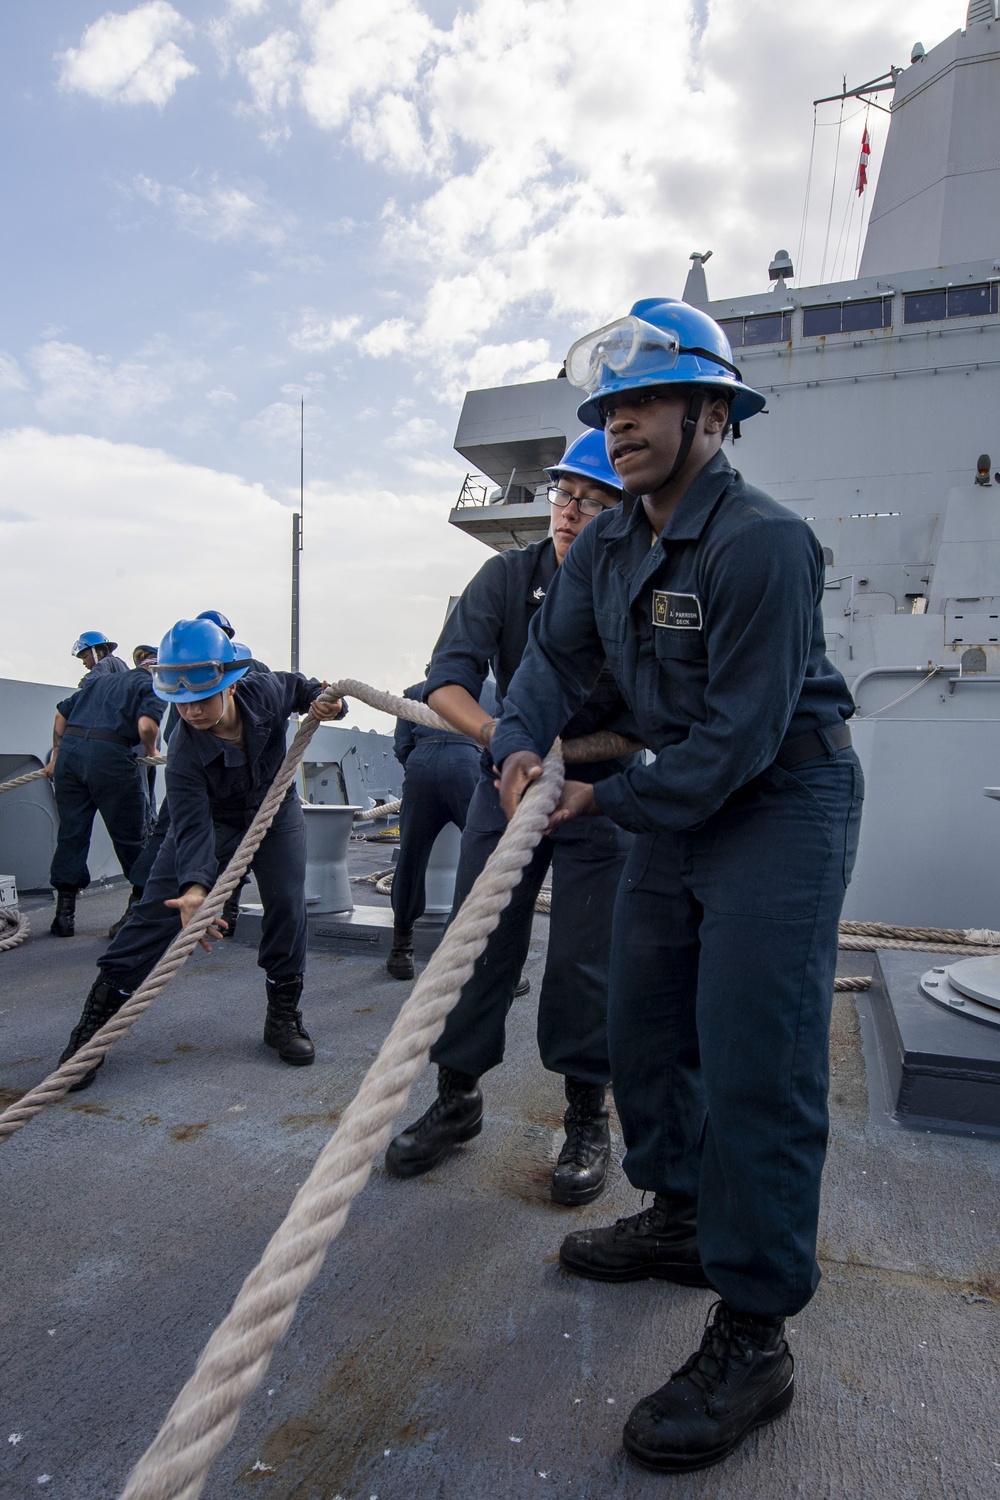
488,630
224,754
705,596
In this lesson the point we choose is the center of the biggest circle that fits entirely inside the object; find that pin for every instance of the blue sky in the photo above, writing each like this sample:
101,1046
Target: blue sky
214,208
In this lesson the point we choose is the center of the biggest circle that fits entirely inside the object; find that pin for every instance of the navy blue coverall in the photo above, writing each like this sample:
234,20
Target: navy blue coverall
489,628
441,772
96,772
107,666
746,824
140,873
214,788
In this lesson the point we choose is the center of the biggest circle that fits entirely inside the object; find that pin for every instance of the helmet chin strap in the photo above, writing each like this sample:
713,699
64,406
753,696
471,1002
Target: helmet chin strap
690,427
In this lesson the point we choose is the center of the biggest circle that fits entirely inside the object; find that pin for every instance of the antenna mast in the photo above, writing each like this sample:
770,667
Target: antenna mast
297,518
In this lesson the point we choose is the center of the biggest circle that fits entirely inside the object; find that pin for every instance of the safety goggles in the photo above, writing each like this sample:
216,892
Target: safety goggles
586,506
192,677
630,345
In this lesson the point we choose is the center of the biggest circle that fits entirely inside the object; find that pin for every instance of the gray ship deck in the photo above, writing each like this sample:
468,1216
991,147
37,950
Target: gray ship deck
441,1353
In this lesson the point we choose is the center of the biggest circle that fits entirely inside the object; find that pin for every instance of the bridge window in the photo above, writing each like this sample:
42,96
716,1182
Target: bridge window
950,302
768,328
847,317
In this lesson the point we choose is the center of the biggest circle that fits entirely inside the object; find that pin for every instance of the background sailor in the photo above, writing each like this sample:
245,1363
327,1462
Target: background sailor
488,630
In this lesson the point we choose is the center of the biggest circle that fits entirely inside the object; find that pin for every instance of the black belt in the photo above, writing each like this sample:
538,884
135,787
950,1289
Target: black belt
812,745
98,734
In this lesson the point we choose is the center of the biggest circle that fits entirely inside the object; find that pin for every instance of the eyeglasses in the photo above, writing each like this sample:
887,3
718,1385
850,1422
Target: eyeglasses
193,676
586,506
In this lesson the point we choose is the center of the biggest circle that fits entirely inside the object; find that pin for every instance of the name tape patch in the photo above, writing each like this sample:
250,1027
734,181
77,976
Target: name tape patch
676,611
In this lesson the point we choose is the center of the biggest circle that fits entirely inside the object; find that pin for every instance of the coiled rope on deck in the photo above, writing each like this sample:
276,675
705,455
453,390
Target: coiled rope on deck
17,926
204,1416
59,1082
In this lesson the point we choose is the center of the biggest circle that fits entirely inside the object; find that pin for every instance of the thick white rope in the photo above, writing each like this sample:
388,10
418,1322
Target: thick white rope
17,926
383,810
8,786
204,1416
58,1082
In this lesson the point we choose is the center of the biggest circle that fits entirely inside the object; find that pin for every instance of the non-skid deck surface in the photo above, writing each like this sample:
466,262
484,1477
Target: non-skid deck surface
441,1354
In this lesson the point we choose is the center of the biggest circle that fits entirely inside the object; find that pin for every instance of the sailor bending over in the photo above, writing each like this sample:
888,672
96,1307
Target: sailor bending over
224,754
704,595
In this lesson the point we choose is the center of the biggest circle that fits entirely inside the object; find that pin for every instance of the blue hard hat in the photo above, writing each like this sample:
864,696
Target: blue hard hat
587,456
196,660
91,638
661,342
217,618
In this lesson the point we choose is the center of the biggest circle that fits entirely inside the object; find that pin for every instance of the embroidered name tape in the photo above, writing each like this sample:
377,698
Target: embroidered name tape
677,611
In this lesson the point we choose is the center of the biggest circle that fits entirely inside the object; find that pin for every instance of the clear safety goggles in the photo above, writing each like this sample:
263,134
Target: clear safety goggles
192,677
630,345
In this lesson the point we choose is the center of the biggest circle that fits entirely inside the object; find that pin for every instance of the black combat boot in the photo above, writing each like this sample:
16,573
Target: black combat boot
660,1242
740,1378
400,960
283,1028
455,1116
104,1001
64,921
231,912
582,1168
136,895
522,988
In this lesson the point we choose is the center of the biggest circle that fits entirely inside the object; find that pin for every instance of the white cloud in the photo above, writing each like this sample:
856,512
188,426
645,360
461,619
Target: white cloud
278,424
317,335
570,200
11,375
390,337
391,133
124,516
416,432
220,212
361,49
75,383
499,364
129,58
271,70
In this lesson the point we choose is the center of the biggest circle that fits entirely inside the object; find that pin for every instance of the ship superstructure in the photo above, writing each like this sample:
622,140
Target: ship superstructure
882,430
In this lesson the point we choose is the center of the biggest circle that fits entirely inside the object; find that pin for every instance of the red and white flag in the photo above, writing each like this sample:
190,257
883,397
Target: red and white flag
866,151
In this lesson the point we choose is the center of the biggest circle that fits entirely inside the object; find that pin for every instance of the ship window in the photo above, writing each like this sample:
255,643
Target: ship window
772,328
769,328
952,302
847,317
873,312
970,301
